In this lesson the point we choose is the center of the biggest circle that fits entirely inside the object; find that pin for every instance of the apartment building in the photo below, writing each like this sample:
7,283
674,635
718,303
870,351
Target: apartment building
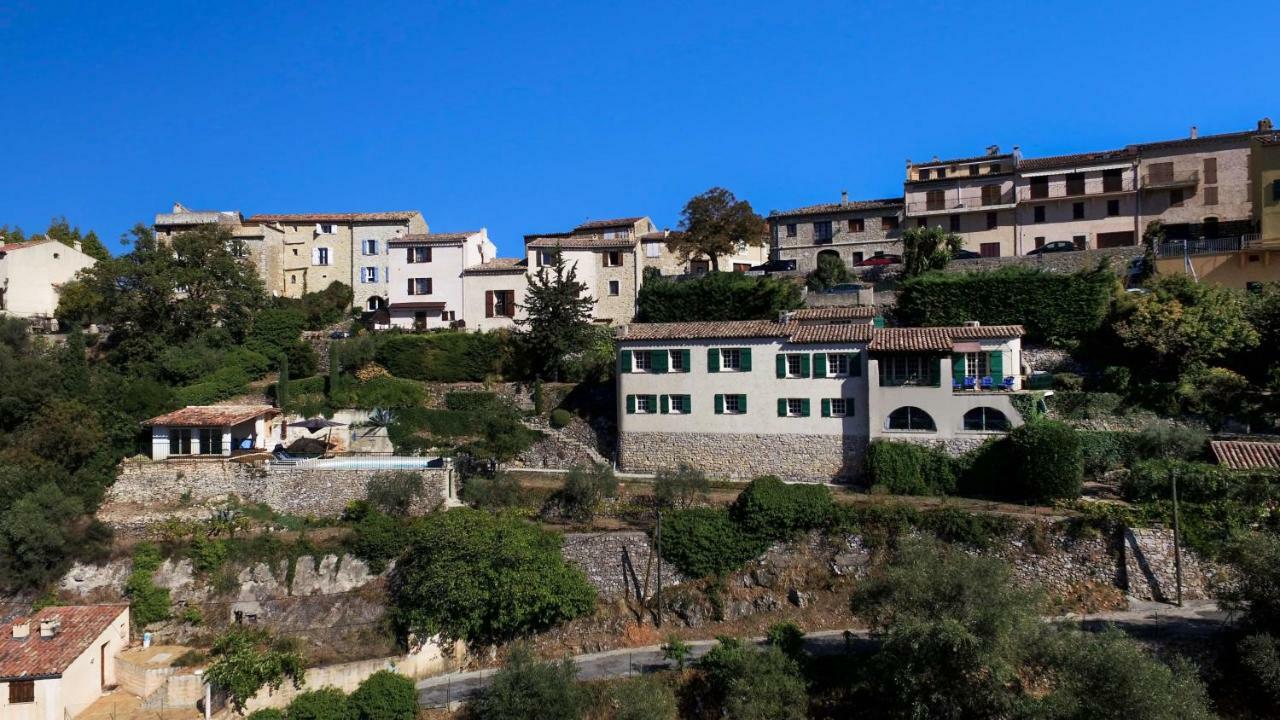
32,275
425,277
1198,186
801,397
1090,199
850,230
972,197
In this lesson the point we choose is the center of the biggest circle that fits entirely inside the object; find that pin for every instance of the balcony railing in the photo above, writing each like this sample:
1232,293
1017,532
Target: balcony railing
962,204
1027,194
1164,181
1207,246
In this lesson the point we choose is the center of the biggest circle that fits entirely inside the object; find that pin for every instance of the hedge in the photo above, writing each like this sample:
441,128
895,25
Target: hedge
910,469
716,296
470,400
440,356
1076,405
1056,308
769,508
1197,482
702,542
1106,450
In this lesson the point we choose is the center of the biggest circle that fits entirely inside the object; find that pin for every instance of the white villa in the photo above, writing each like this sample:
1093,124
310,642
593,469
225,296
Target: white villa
213,431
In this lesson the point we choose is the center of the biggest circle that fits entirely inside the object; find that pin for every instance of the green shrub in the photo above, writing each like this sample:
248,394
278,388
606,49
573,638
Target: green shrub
327,703
492,493
769,508
1171,440
680,488
219,385
909,468
702,542
1197,482
379,392
1075,405
560,418
1106,450
440,356
1045,462
716,296
957,526
207,554
267,714
1057,308
300,386
583,490
148,602
470,400
1115,379
378,538
385,695
642,698
741,682
1068,382
529,689
787,637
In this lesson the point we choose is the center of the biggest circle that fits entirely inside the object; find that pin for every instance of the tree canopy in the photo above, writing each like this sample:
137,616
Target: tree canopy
62,231
930,248
714,224
558,319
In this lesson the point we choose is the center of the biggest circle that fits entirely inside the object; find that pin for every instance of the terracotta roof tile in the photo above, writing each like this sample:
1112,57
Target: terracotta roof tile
35,656
452,238
911,339
394,216
615,222
583,242
957,161
843,312
1246,455
703,330
813,334
499,266
1054,161
836,207
10,247
211,415
915,339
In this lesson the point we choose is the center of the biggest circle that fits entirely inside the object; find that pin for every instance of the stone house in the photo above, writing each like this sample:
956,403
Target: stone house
801,397
32,275
56,663
972,197
1090,199
214,431
850,230
425,274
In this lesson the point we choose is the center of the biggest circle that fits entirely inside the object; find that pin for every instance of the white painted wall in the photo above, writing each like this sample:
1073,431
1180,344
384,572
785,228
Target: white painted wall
80,684
30,276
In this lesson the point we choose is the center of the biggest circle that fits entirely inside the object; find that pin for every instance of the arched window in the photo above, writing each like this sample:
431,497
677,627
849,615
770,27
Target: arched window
986,419
910,418
375,303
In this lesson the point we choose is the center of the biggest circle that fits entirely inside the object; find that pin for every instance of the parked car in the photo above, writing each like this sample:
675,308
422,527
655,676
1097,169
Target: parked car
1056,246
880,259
965,255
339,335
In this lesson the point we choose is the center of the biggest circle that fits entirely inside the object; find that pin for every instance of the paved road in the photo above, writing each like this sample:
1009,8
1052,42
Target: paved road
1148,621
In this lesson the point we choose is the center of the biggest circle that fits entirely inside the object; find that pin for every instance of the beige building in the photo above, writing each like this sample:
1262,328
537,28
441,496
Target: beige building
802,397
58,662
972,197
426,277
850,230
32,274
493,293
1198,186
1089,199
214,431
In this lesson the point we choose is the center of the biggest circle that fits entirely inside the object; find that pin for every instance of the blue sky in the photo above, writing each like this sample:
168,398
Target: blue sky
530,117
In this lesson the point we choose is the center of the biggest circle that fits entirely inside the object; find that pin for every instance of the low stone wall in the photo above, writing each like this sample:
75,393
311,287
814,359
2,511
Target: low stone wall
146,491
1056,262
743,456
619,565
1150,570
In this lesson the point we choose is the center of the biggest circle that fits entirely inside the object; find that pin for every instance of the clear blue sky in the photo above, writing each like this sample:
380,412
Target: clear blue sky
533,117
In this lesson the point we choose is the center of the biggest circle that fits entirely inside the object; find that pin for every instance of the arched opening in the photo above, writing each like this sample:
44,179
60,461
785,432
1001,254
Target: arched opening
908,417
986,419
829,256
375,303
1210,227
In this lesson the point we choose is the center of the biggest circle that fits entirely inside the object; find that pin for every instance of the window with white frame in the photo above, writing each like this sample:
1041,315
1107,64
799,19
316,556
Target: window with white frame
985,419
679,404
326,229
644,404
976,364
369,274
613,258
546,257
837,364
419,286
795,407
370,247
652,249
641,361
730,359
839,407
795,366
907,369
676,363
419,254
322,256
733,404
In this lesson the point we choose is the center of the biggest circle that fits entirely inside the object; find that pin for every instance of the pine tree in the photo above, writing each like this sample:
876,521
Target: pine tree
558,320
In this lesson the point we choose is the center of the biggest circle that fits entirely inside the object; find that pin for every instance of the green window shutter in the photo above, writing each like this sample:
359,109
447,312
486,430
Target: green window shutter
819,365
713,360
957,367
746,359
653,402
996,363
848,407
804,365
631,404
935,373
742,404
664,406
719,404
658,360
855,364
826,407
626,361
782,365
804,407
782,407
688,403
684,355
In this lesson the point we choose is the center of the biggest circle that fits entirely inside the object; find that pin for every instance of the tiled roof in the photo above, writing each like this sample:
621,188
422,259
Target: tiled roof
10,247
211,415
452,238
584,242
703,330
835,207
396,216
1246,455
499,266
911,339
36,657
198,217
812,334
915,339
957,161
1203,139
1054,161
615,222
841,312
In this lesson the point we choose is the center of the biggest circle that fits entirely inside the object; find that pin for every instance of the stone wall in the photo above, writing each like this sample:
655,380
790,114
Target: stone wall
1056,262
620,564
743,456
147,491
1150,570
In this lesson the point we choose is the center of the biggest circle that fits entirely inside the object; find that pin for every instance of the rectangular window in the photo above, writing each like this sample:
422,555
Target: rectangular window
500,303
180,441
1175,197
1160,172
1079,241
1211,195
1040,242
615,287
839,407
1075,184
990,194
1275,190
1037,214
641,361
419,286
857,225
923,175
993,220
210,441
652,249
995,168
935,200
644,404
795,407
678,404
889,222
837,364
370,247
22,691
941,173
1211,171
908,370
1113,208
973,170
955,223
1039,187
730,359
613,258
322,256
1077,211
418,254
679,361
369,274
794,366
325,229
989,249
791,229
975,364
1112,180
735,404
822,232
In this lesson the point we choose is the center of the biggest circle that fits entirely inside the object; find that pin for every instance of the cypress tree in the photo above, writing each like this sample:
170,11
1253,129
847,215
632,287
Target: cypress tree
282,384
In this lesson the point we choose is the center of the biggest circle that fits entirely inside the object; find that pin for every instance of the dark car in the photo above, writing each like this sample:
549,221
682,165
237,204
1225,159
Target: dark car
880,259
339,334
1056,246
965,255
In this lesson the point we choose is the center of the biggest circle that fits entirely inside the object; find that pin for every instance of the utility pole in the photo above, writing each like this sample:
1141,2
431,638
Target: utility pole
1177,542
657,535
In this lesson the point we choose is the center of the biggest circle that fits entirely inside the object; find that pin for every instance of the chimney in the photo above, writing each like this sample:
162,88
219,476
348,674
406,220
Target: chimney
972,323
21,629
935,158
844,197
784,317
1195,132
993,149
76,244
50,627
1264,125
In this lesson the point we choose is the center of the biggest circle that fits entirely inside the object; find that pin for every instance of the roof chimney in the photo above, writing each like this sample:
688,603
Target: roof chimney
935,158
1195,132
1264,124
76,244
50,627
21,629
844,197
993,149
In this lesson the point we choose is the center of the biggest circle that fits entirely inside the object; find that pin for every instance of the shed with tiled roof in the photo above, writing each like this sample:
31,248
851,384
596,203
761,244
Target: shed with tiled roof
57,662
1246,454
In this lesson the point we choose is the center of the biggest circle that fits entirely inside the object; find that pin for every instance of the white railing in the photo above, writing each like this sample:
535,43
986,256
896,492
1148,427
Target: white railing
1207,246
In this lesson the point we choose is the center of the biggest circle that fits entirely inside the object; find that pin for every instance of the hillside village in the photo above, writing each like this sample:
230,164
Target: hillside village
1005,445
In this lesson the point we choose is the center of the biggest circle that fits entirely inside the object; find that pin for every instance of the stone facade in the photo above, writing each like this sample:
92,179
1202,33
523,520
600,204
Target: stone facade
852,231
619,565
743,456
1054,262
1150,571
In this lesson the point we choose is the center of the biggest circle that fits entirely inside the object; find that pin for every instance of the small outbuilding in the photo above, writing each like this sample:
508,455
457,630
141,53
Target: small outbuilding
212,431
56,663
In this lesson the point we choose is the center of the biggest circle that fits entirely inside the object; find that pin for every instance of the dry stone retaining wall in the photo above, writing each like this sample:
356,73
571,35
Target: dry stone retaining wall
743,456
619,564
1150,569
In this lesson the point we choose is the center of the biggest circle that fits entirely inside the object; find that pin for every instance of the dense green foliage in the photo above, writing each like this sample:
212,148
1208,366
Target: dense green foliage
716,296
385,695
828,272
642,698
557,322
393,493
1044,462
1057,308
771,509
445,356
740,682
148,602
703,542
714,224
928,248
490,429
327,703
529,689
322,308
62,231
483,578
583,490
903,468
245,661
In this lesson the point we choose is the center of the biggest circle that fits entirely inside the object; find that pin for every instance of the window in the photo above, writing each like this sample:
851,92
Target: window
179,441
22,691
989,249
644,404
293,279
1112,180
1175,197
1113,208
955,223
990,194
1160,173
890,222
322,256
822,232
1077,211
1075,184
735,404
652,249
910,418
369,274
1040,242
419,286
679,361
369,247
795,407
857,225
1275,190
200,441
995,168
993,220
615,287
795,366
837,364
908,370
1211,171
975,364
641,361
923,175
418,254
1039,187
500,303
935,200
791,229
941,173
985,419
326,229
1038,214
613,258
837,407
973,170
731,359
1211,195
678,404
